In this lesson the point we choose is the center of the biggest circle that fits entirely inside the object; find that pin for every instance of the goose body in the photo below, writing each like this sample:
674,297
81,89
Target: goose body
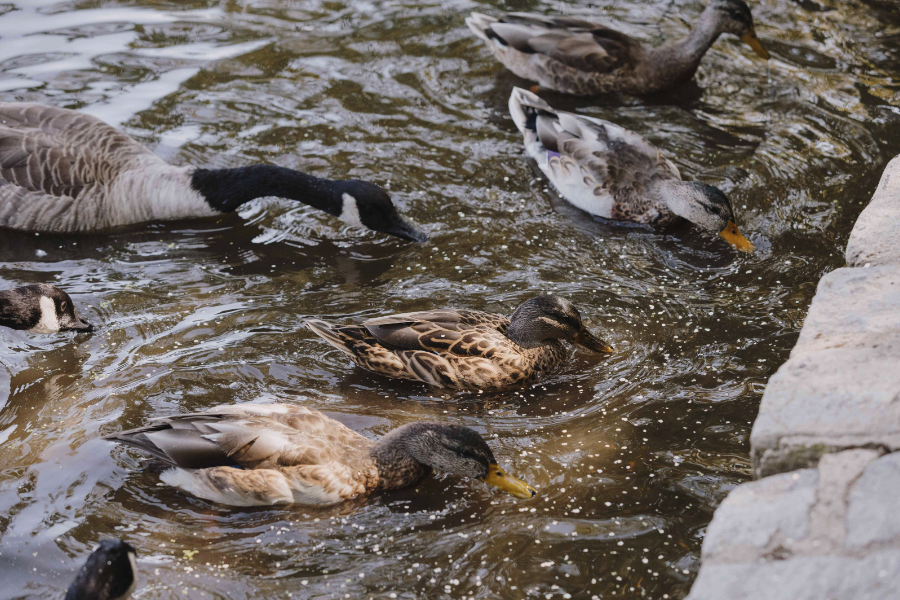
109,573
613,173
257,455
40,308
464,349
65,171
579,57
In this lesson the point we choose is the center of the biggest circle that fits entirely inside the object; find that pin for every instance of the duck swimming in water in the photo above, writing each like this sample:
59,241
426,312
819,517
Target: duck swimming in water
40,308
465,349
614,173
579,57
259,455
65,171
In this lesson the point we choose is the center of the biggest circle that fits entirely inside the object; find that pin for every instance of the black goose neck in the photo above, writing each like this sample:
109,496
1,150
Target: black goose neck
15,312
227,189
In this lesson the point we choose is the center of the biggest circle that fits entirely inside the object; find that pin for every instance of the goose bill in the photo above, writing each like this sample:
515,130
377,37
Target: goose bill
499,478
592,342
734,237
404,230
751,40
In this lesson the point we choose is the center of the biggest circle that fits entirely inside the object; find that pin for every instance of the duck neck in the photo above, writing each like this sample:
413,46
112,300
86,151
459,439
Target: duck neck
227,189
678,61
398,459
521,332
680,197
15,313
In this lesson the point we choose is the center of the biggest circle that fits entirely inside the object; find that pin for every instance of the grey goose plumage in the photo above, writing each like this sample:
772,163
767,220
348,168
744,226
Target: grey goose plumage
65,171
40,308
579,57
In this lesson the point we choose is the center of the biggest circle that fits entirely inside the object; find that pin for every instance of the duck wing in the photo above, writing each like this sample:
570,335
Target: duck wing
580,44
247,436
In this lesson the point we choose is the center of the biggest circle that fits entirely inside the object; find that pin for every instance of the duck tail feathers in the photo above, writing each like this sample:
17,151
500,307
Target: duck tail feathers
524,108
332,334
479,24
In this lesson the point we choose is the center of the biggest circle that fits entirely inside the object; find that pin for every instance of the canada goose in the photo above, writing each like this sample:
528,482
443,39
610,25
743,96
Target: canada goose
40,308
64,171
616,174
465,349
583,58
257,455
110,573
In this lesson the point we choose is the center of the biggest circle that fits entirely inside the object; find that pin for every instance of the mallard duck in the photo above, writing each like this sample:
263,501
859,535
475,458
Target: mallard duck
108,574
65,171
258,455
583,58
40,308
465,349
614,173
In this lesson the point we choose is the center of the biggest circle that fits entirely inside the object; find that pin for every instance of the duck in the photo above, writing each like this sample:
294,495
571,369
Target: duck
583,58
40,308
108,574
62,171
613,173
268,454
465,349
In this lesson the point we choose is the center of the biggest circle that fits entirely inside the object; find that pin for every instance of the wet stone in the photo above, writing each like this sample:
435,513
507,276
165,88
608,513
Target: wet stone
875,239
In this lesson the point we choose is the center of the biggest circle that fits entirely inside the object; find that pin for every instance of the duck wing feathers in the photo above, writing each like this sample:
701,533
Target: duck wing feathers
596,165
436,331
576,43
259,454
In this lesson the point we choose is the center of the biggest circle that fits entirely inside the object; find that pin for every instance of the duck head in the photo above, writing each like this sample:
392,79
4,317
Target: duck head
452,449
40,308
708,207
108,574
545,318
364,204
733,16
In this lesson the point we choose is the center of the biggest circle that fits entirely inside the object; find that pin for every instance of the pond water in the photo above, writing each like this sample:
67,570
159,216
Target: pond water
630,454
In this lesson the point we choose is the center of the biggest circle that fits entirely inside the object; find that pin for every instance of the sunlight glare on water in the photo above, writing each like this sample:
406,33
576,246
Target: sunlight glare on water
630,454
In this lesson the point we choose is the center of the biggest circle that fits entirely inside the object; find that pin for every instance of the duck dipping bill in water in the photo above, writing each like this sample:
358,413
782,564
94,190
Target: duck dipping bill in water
110,573
256,455
465,349
583,58
40,308
614,173
65,171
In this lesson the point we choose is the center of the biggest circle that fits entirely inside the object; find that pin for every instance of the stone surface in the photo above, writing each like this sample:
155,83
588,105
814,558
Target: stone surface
875,238
830,533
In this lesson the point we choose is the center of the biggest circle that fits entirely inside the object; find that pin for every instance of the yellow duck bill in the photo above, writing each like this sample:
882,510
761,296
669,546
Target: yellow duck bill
500,479
733,236
592,342
751,40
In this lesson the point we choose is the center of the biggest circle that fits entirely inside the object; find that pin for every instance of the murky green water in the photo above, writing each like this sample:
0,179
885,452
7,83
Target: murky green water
630,454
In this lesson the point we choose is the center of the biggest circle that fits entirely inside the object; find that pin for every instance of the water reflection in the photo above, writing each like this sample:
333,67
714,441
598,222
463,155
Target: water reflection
629,454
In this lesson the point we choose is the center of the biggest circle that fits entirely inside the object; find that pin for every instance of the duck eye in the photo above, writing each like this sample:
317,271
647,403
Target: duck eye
499,473
63,306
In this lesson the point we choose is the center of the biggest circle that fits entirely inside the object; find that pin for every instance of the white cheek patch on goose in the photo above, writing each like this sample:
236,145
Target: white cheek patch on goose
350,211
49,322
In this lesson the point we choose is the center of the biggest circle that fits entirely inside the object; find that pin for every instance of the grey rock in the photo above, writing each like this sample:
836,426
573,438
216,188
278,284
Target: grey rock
875,238
874,577
873,515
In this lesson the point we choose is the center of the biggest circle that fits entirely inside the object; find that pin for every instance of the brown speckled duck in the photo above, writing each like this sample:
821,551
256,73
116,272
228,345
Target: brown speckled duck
258,455
584,58
465,349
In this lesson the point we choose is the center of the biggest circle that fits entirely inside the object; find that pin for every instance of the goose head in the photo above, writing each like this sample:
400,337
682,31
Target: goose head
108,574
364,204
708,207
545,318
733,16
452,449
40,308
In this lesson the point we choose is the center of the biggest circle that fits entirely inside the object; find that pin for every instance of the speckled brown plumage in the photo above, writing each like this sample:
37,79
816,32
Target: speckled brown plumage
463,349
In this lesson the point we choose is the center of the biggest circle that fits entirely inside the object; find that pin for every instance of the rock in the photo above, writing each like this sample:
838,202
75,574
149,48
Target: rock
875,238
873,516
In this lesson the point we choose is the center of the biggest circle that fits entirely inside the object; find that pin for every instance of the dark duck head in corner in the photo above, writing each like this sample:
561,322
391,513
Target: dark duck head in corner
40,308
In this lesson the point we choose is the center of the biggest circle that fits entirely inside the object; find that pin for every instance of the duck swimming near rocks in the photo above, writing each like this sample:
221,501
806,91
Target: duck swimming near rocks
65,171
110,573
579,57
465,349
259,455
40,308
614,173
